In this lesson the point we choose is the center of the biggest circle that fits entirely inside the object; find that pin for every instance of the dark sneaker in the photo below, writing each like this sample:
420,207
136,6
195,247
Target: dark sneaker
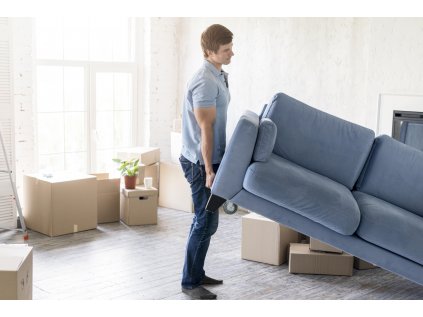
199,292
210,281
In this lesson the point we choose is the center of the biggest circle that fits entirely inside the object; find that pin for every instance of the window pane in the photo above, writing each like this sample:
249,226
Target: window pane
122,129
122,40
105,163
104,124
49,88
76,162
104,91
49,38
50,133
51,163
101,39
76,38
75,132
74,89
123,91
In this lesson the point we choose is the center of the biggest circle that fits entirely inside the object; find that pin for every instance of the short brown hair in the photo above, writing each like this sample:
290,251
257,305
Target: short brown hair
214,36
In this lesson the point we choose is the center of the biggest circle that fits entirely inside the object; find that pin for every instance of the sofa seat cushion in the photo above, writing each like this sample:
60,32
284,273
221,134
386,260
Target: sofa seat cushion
390,227
302,191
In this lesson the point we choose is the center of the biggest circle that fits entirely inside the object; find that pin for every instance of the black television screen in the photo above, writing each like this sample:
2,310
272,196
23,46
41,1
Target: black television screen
407,127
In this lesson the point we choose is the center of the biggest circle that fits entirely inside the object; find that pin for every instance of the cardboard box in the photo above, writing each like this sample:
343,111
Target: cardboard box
15,271
304,260
147,155
138,206
154,172
175,191
175,146
317,245
108,196
264,240
360,264
177,125
61,204
141,174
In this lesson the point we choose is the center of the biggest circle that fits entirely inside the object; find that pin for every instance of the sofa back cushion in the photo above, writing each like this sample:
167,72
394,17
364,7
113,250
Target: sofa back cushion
394,173
265,140
318,141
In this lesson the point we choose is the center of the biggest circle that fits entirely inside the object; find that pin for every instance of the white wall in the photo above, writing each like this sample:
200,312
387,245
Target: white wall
160,81
339,65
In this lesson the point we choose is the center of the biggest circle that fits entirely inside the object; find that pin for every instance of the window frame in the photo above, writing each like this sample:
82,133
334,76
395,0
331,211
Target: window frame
90,69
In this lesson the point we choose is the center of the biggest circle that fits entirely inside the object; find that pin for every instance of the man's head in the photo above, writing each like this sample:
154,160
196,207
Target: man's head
216,42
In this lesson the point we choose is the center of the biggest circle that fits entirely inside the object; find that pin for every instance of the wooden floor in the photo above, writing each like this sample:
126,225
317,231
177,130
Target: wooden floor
144,262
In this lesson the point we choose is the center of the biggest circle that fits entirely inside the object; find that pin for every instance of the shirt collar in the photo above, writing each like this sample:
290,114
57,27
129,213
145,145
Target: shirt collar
213,69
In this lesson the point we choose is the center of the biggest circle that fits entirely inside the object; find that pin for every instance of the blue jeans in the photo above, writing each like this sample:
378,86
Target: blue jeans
203,226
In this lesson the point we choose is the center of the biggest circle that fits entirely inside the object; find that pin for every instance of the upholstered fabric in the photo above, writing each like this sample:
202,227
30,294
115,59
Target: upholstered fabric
394,173
309,194
265,140
351,244
306,183
237,157
390,227
319,141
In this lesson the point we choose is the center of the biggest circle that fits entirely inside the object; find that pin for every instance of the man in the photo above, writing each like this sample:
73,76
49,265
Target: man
203,144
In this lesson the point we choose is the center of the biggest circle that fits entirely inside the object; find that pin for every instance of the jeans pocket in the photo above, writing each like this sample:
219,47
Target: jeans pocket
187,168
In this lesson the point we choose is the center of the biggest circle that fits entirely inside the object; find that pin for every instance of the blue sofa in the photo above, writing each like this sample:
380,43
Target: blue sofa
329,179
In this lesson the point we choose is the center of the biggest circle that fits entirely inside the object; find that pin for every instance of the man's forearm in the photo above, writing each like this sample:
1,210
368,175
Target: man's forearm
207,147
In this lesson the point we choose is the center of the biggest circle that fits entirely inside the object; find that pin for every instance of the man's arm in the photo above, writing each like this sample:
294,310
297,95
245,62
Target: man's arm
205,118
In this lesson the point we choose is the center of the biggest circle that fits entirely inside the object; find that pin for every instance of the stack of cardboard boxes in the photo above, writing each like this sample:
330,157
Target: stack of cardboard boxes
266,241
63,203
319,258
175,192
139,206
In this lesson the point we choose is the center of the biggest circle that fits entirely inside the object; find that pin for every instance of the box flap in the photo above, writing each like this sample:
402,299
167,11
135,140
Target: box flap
100,176
10,263
253,215
139,191
12,255
61,177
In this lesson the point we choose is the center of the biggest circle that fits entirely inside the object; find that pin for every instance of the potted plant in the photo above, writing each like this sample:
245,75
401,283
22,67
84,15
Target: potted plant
129,170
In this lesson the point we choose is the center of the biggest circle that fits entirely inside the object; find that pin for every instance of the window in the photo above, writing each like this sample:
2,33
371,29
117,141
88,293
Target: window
86,92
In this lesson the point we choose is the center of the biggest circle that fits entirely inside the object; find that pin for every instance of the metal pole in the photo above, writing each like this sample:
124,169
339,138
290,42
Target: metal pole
15,193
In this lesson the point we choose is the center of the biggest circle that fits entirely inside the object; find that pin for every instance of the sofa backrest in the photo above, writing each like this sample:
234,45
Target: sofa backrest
394,173
318,141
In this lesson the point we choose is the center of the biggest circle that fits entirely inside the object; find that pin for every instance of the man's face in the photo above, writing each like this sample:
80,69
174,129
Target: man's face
223,55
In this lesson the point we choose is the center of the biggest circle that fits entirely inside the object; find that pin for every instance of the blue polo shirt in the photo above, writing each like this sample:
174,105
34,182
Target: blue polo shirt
207,88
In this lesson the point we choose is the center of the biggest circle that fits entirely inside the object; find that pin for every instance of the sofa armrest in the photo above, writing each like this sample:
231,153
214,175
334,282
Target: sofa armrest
238,155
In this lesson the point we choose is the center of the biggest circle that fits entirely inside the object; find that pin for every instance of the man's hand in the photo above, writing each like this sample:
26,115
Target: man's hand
209,179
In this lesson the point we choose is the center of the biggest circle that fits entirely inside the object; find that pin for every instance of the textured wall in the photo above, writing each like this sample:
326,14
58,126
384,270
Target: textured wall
339,65
160,81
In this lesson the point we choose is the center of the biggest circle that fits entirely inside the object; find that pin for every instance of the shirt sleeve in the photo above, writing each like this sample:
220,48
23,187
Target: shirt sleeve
204,93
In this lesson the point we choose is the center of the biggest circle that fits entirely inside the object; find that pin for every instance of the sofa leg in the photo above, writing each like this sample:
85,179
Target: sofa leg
214,203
